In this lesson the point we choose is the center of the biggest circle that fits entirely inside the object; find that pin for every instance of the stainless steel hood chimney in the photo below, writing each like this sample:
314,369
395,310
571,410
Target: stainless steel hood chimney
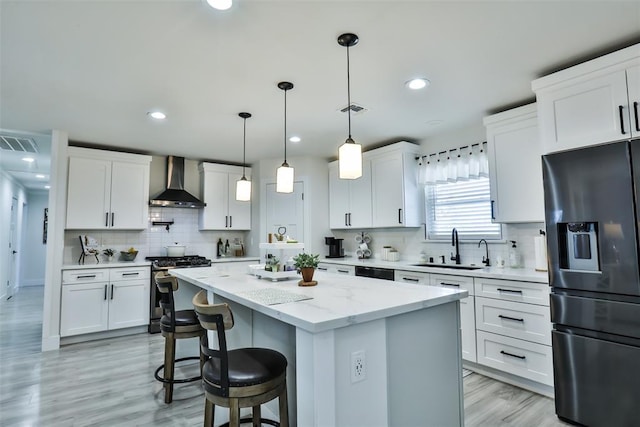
175,196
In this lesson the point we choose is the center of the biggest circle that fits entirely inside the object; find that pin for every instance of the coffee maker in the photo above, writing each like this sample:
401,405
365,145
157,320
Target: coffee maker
335,247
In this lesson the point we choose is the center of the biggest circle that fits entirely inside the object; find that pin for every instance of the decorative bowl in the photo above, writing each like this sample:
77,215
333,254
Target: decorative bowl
128,256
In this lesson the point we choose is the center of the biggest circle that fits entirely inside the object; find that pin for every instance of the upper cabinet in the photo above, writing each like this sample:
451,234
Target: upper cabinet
591,103
386,195
107,190
515,167
396,199
350,199
223,211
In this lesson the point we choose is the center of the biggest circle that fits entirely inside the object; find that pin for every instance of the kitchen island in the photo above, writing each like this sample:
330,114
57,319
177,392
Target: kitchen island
361,351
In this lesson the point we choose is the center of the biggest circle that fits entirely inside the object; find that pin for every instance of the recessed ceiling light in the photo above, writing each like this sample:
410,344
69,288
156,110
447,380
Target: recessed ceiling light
295,139
436,122
28,159
158,115
47,187
40,176
220,4
419,83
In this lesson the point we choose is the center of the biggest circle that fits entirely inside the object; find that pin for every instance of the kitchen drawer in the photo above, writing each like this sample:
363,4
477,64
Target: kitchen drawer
514,319
415,277
451,281
511,290
518,357
348,270
70,277
129,273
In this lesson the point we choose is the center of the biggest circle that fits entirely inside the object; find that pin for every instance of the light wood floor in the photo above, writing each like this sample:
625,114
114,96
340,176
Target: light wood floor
110,382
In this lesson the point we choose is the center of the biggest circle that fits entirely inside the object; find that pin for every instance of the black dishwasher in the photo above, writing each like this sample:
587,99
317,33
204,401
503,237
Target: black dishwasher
374,272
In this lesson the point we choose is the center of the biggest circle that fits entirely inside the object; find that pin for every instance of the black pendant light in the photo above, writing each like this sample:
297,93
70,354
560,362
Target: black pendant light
350,153
243,186
284,174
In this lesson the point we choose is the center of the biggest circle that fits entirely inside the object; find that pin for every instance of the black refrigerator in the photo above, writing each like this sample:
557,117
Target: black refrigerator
591,209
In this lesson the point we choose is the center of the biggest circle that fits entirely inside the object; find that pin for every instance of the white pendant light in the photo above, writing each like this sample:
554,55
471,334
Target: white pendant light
284,174
243,185
350,153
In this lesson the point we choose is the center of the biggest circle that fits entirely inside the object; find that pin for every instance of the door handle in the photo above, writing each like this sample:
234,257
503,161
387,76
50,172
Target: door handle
349,219
106,219
635,113
230,221
105,292
14,252
346,223
112,217
400,216
493,215
510,318
111,291
226,221
621,112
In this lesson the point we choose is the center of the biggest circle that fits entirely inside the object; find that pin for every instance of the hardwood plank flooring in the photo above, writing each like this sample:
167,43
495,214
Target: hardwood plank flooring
110,382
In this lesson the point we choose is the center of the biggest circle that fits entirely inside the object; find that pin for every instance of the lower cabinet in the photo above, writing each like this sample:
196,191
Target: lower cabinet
467,310
347,270
95,300
414,277
514,328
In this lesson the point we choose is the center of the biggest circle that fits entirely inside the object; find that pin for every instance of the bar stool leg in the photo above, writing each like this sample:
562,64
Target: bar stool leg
209,413
169,362
283,407
256,416
234,413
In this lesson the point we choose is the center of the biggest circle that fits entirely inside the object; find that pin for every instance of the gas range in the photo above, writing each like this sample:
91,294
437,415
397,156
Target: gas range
159,263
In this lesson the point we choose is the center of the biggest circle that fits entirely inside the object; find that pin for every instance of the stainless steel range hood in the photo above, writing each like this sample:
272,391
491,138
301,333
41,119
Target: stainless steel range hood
175,196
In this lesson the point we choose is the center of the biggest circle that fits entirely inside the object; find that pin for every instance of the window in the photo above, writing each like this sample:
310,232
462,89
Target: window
464,205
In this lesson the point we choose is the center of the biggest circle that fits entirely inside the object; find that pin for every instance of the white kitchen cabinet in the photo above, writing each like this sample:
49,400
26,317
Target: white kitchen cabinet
223,211
347,270
467,310
107,190
415,277
95,300
350,199
591,103
515,166
396,199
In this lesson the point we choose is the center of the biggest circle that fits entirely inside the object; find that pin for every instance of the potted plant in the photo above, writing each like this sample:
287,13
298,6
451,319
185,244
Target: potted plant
109,253
273,264
306,265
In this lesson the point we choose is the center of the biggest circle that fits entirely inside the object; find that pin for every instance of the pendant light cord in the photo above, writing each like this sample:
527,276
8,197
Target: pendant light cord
348,93
285,127
244,148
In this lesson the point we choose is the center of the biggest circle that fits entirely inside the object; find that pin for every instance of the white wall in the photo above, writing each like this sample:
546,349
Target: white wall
33,259
9,188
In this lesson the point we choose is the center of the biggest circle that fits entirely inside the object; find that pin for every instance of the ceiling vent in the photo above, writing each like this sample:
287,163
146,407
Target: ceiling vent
355,109
13,143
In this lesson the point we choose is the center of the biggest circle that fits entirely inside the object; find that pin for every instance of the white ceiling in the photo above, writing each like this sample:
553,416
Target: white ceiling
94,68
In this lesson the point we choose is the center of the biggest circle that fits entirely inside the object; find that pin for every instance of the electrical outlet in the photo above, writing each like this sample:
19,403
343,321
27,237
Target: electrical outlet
358,366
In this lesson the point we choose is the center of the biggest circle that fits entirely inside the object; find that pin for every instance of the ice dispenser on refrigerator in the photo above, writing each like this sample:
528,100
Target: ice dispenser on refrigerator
578,243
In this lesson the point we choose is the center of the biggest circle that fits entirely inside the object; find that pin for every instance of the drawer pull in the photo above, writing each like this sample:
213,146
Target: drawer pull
411,279
87,276
130,274
510,290
322,268
510,318
343,271
512,355
449,284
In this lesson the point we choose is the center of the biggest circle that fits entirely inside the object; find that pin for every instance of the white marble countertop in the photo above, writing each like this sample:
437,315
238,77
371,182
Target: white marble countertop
521,274
337,301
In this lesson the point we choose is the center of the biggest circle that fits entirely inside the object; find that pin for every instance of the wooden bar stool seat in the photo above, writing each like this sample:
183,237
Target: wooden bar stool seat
175,325
239,378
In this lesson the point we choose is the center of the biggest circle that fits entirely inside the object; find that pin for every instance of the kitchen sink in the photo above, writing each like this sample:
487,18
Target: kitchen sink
451,266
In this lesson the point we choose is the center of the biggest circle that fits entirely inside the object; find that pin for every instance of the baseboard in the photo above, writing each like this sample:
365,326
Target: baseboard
32,282
104,334
514,380
51,343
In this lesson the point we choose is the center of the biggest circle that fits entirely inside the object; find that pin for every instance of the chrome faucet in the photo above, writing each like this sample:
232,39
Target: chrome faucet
454,242
485,259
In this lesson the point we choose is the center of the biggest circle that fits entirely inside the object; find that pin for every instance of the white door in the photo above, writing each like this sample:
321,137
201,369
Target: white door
286,210
89,190
13,248
387,191
339,201
128,303
129,204
239,212
633,83
84,308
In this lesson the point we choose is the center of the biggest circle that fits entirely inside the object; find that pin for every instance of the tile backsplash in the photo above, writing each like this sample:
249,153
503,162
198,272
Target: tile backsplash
152,241
410,242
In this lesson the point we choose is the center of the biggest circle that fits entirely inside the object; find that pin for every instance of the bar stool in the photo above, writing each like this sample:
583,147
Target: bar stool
175,325
240,378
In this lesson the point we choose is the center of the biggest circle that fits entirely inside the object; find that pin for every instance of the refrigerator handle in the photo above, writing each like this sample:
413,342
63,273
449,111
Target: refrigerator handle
621,111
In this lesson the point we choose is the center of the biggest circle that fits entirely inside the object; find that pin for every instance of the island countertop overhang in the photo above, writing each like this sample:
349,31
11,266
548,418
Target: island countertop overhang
337,301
